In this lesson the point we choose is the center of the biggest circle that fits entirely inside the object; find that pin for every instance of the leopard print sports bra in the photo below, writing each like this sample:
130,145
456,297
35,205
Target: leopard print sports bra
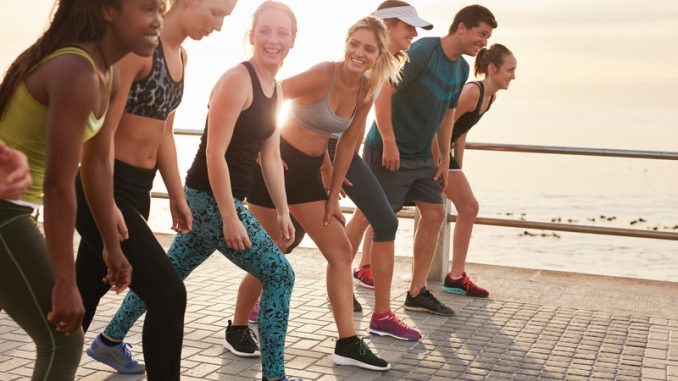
157,95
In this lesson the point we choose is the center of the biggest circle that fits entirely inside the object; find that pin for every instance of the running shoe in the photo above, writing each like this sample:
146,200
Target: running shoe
464,286
254,314
118,357
363,277
354,352
426,302
241,341
392,326
356,305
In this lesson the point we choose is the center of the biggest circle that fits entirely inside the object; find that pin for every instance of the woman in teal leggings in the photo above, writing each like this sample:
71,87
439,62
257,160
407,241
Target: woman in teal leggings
241,125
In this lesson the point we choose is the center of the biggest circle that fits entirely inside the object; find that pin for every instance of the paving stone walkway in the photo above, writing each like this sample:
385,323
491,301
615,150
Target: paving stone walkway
502,338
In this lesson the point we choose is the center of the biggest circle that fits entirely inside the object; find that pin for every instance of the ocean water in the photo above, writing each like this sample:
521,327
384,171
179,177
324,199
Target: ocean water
597,74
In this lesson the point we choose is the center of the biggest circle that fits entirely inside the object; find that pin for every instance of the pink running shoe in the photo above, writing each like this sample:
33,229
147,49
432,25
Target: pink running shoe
254,314
392,326
363,277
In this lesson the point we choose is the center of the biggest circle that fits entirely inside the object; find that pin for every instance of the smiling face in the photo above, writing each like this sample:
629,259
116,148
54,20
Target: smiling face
205,16
400,35
136,24
506,72
272,36
361,50
475,38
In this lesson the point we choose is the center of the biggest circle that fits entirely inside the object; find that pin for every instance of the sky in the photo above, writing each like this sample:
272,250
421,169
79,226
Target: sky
597,73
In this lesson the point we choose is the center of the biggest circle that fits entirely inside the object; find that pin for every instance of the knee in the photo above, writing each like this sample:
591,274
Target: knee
341,256
469,209
386,229
171,298
283,275
434,217
65,349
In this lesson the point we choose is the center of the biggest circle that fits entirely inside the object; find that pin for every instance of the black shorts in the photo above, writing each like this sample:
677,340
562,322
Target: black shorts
303,182
454,166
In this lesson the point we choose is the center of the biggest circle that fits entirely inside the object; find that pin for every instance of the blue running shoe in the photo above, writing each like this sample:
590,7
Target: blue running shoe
117,357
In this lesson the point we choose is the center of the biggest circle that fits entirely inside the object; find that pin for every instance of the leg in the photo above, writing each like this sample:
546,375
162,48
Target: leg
250,287
26,281
269,266
336,248
459,192
425,241
355,229
369,197
159,285
367,247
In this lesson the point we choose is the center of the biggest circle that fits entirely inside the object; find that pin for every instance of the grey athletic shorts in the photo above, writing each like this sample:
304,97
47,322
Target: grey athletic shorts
412,182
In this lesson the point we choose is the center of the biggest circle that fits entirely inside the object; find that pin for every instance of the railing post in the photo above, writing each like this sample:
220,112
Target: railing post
441,258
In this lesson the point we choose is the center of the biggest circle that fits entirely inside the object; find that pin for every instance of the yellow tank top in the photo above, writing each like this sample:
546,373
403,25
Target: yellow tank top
23,124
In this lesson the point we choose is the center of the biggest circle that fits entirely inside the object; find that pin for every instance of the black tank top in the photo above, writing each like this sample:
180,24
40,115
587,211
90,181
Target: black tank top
469,119
157,95
254,125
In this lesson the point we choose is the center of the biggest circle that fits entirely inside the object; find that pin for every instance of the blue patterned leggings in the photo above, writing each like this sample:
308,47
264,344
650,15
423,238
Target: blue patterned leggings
264,260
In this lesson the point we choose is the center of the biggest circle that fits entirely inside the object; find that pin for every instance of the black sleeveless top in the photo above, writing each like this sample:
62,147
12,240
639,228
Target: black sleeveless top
254,125
157,95
469,119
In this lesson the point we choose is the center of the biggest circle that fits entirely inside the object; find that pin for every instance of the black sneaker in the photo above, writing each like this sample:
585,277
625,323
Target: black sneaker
356,305
241,341
353,351
426,302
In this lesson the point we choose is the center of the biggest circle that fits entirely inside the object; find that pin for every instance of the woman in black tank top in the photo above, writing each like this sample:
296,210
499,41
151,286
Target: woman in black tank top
498,65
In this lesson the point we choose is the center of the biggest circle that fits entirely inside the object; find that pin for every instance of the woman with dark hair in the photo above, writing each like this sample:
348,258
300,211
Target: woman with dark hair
142,116
54,96
498,66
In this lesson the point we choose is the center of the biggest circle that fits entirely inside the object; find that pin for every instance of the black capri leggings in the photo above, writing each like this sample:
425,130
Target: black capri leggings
154,278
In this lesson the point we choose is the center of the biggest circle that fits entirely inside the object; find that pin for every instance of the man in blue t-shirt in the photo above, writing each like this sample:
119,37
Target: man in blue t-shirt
410,117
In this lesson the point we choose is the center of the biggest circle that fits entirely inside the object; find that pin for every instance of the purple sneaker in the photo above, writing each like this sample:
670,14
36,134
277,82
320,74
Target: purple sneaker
392,326
254,314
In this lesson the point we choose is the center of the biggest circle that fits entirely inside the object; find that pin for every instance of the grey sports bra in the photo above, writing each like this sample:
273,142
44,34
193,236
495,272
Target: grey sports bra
319,117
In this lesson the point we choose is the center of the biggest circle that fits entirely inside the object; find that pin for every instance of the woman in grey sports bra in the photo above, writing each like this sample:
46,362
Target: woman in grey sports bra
328,98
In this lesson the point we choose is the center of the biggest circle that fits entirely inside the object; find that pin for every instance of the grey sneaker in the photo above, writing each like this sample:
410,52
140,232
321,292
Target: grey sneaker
117,357
426,302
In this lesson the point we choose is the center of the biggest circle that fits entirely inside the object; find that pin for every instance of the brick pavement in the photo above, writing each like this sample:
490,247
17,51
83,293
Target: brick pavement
503,338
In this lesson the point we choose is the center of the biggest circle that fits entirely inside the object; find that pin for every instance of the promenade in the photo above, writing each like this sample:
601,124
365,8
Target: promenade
536,325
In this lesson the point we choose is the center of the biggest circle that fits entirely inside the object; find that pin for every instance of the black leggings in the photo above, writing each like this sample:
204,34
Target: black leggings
154,278
367,195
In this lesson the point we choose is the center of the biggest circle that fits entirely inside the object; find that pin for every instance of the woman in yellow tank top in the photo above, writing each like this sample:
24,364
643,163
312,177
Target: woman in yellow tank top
54,96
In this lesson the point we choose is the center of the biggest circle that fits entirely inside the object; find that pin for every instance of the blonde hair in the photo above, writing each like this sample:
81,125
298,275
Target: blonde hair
387,67
276,5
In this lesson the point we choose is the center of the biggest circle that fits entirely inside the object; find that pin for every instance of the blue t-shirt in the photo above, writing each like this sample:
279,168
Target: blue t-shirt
430,85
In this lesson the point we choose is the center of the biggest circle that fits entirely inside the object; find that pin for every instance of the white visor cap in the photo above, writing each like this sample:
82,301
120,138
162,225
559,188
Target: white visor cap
405,14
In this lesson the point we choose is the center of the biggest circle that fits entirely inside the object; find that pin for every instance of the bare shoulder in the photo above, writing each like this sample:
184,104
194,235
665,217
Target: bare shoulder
237,77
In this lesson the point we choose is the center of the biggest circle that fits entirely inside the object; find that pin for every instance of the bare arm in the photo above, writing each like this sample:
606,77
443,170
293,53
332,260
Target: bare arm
443,137
468,101
272,169
96,174
383,107
72,95
231,95
182,219
342,160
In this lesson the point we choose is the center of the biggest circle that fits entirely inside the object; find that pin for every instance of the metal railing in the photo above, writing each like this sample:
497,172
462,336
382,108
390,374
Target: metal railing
441,259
